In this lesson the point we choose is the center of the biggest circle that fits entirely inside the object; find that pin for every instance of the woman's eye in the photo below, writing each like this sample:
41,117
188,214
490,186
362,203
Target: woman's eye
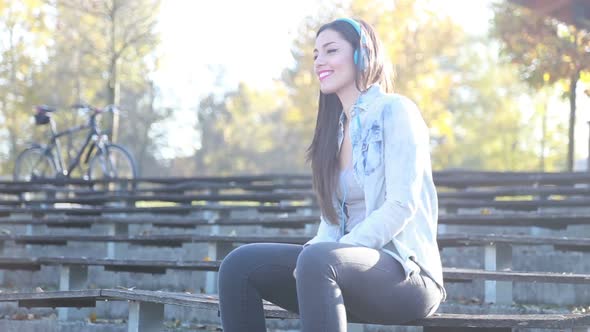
315,56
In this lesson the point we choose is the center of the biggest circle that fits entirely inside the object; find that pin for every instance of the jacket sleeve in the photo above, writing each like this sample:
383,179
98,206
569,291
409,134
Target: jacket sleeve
406,155
327,232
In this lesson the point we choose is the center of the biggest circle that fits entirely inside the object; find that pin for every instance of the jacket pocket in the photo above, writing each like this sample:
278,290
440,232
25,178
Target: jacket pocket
372,149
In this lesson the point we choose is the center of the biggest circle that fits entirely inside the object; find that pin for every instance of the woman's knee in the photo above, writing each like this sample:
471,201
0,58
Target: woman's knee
318,257
236,259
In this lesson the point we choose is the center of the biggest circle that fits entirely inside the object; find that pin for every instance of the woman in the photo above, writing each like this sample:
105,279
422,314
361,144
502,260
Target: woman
375,258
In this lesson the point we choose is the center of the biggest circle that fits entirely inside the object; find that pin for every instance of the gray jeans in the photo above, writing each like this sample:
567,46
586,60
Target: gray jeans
336,283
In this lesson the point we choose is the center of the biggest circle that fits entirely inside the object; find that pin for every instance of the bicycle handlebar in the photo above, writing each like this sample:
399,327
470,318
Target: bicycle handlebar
109,108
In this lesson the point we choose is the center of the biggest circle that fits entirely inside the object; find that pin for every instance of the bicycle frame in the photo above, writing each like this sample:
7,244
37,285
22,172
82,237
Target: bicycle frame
94,139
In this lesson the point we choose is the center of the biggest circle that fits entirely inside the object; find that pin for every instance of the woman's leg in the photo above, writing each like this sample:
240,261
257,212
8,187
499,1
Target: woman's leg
253,272
335,279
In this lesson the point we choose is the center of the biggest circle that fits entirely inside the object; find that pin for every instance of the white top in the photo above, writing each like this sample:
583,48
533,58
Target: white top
354,203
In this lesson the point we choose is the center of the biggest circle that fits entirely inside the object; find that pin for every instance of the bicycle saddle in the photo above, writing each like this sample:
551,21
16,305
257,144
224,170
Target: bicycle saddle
45,108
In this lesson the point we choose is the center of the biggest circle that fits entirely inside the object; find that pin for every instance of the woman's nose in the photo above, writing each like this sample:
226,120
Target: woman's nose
319,61
320,57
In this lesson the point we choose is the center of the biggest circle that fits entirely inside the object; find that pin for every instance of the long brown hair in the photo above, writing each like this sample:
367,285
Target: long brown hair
323,151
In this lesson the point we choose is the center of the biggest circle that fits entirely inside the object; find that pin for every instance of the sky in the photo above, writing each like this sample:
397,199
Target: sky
251,41
251,46
199,37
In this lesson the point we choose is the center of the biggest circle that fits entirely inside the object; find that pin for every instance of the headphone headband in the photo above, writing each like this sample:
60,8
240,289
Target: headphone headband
354,24
359,59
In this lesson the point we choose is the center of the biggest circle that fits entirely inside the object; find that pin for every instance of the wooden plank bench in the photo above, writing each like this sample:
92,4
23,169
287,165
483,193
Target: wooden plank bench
471,198
271,195
464,179
189,185
497,249
514,205
513,191
146,311
294,222
176,240
162,185
542,220
474,177
74,270
180,209
559,184
99,199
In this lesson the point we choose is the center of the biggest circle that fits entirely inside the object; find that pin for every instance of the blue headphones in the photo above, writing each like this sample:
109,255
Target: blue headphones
359,52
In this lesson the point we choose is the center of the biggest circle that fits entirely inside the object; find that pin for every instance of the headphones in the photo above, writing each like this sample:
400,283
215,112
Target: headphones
359,52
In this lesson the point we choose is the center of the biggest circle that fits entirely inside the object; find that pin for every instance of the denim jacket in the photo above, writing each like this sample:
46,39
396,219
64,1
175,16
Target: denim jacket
391,162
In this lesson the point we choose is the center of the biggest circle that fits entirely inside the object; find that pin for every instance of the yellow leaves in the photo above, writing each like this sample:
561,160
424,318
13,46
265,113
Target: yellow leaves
304,79
546,77
32,3
294,115
585,77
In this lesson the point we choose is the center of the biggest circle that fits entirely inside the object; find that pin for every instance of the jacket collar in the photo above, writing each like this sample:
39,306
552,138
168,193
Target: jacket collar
364,101
368,97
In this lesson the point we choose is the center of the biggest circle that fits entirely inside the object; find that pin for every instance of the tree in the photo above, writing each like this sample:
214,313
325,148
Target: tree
493,126
244,132
126,31
24,36
547,52
59,52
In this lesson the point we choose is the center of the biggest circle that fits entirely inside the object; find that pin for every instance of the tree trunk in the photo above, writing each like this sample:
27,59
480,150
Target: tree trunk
544,134
572,124
113,93
113,98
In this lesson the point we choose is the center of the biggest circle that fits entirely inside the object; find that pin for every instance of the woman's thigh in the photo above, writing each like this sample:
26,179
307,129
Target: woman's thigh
373,284
268,267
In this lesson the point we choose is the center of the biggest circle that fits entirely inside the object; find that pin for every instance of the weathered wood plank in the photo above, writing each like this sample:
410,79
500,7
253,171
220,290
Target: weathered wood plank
134,265
174,240
73,294
450,273
508,191
160,266
177,198
211,302
447,240
20,263
553,221
155,240
544,321
181,209
516,205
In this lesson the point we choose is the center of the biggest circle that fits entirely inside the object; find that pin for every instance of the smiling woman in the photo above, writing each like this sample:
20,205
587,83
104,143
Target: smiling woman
375,257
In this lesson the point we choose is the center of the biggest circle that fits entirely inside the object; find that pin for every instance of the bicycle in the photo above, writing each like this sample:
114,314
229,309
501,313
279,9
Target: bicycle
105,160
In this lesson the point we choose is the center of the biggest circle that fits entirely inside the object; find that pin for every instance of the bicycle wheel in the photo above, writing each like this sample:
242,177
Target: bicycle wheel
34,163
113,162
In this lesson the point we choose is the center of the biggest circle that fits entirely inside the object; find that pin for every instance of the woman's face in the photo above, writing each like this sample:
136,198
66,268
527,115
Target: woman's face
333,62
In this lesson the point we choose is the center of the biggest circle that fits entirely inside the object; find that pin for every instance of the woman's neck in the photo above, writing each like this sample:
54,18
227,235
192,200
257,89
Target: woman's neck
348,98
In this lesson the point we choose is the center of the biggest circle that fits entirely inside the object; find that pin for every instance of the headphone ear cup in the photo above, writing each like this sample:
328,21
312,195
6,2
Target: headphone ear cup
356,56
364,59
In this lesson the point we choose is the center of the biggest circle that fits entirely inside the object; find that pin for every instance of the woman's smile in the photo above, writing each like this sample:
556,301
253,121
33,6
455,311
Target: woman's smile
323,74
